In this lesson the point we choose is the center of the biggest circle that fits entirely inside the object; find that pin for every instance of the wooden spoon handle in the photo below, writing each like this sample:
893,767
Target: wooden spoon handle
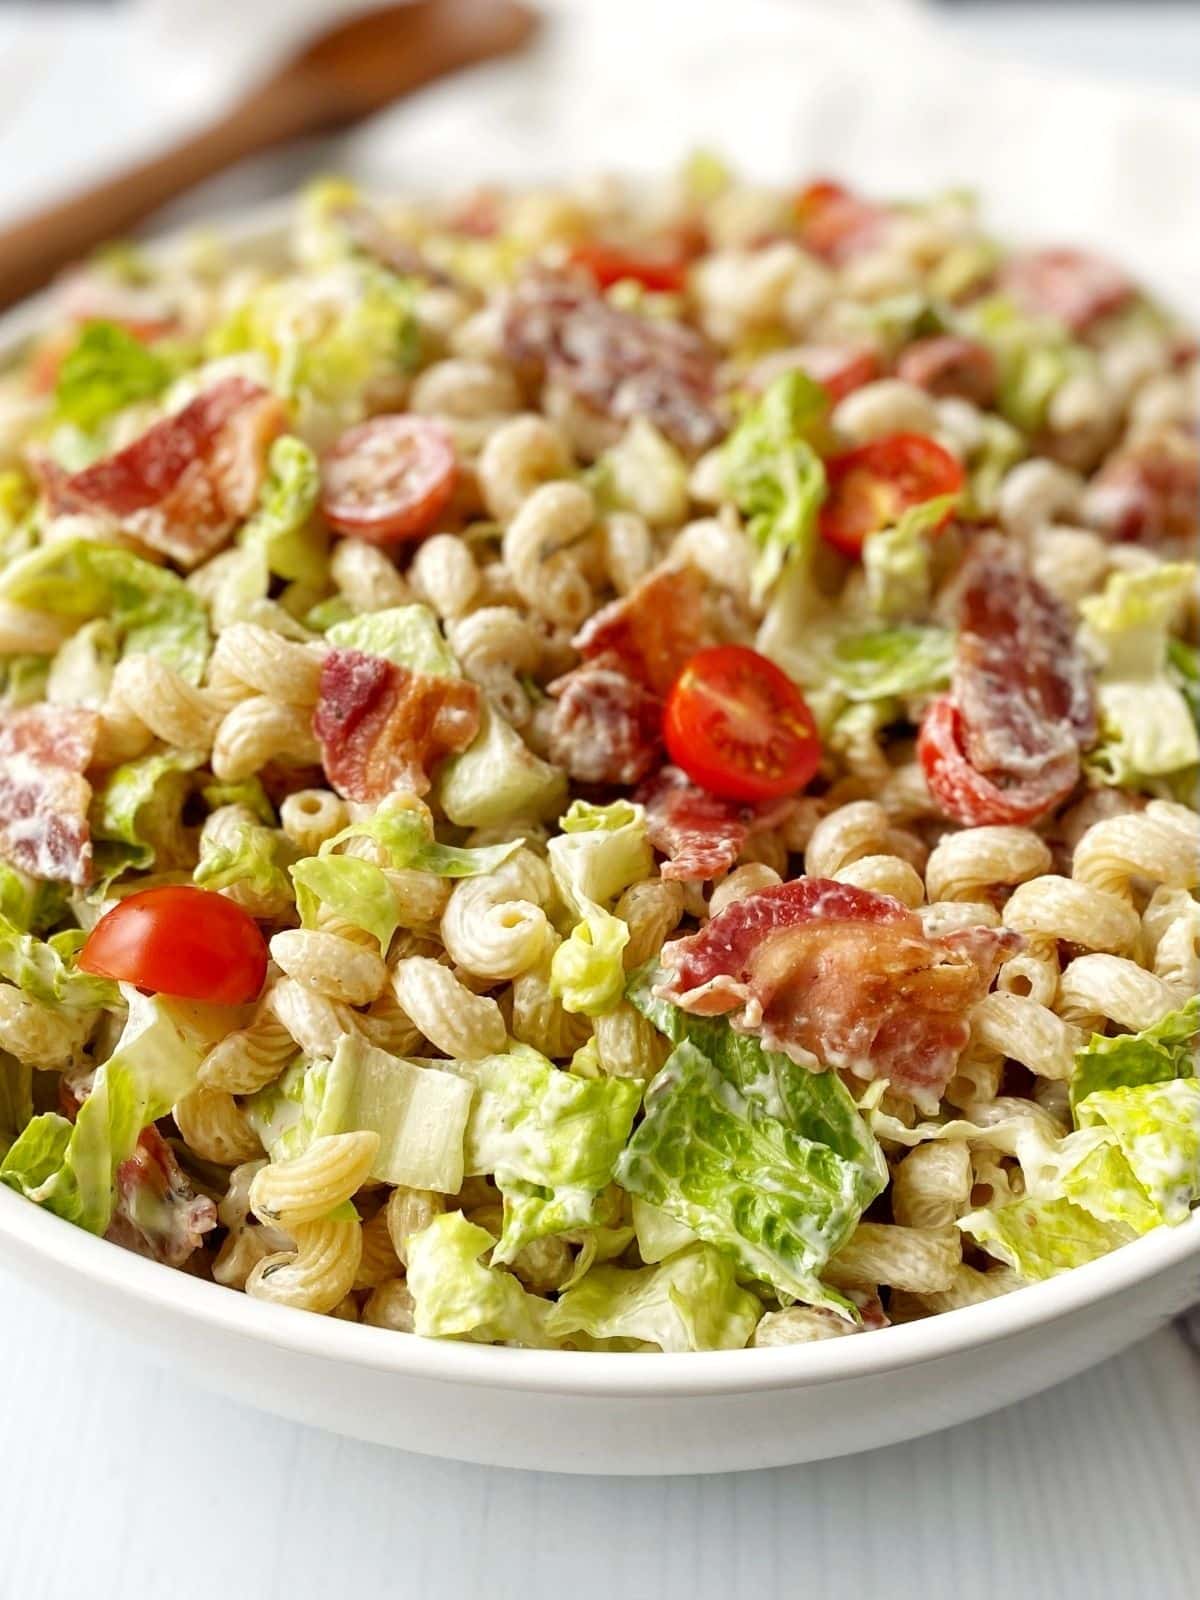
35,248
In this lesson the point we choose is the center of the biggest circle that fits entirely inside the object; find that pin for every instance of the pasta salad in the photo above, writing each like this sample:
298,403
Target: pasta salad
606,769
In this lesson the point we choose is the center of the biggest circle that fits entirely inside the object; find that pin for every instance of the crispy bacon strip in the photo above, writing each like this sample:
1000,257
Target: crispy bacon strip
158,1214
606,728
947,364
1004,745
189,480
1073,286
700,834
382,727
44,797
616,362
825,970
651,633
1148,492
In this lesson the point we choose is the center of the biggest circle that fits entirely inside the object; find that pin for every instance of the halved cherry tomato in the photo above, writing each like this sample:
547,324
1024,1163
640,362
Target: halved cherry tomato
971,797
181,941
869,487
609,264
388,479
739,727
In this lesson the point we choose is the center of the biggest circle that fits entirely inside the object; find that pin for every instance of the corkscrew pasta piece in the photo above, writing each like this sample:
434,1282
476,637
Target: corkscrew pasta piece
963,865
258,731
454,1020
311,817
330,964
318,1274
328,1174
917,1259
543,550
1160,845
215,1127
931,1186
518,457
1098,987
496,926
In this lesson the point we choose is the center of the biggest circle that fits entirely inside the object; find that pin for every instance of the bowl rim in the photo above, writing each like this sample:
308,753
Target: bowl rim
43,1239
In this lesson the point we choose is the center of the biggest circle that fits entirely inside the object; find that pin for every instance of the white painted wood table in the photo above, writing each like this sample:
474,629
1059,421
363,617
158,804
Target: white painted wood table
117,1478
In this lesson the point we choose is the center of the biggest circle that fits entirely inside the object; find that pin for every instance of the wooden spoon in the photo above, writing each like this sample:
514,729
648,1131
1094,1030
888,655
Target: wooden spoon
341,78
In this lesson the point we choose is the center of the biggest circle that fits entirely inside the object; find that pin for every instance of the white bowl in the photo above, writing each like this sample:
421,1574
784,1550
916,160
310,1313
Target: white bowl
564,1411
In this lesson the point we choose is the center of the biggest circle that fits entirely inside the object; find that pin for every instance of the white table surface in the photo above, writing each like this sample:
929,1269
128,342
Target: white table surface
117,1478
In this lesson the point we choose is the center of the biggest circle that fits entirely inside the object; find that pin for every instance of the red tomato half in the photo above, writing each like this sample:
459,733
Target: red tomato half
608,264
739,727
389,479
869,487
180,941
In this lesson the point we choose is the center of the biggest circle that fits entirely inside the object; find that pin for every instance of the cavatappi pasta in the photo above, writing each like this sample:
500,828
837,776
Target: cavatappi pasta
607,769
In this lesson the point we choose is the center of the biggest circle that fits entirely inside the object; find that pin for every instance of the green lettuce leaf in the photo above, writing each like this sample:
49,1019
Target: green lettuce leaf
249,793
354,890
18,514
407,635
71,1168
776,478
599,853
889,662
292,545
690,1302
497,778
46,970
658,1235
82,668
106,370
1035,357
550,1139
780,1204
136,815
455,1296
419,1112
406,833
152,608
1042,1237
31,905
1102,1183
255,856
898,561
1158,1054
815,1105
1157,1126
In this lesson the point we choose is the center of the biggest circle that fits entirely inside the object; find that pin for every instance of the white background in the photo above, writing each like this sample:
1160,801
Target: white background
119,1480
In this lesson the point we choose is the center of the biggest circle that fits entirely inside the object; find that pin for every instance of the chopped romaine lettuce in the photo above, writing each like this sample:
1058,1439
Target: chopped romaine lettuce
1157,1126
46,970
251,855
82,669
1039,1238
31,905
601,850
455,1296
779,1203
898,561
106,370
498,778
354,890
292,546
690,1302
1158,1054
407,635
71,1168
889,662
658,1235
776,478
136,815
419,1113
406,833
550,1138
81,579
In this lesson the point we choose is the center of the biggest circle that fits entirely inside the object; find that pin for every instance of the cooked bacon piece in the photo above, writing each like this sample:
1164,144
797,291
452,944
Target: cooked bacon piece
1148,492
700,834
838,368
1020,680
1004,745
189,480
606,728
616,362
652,632
823,969
949,365
158,1213
382,727
1073,286
44,797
